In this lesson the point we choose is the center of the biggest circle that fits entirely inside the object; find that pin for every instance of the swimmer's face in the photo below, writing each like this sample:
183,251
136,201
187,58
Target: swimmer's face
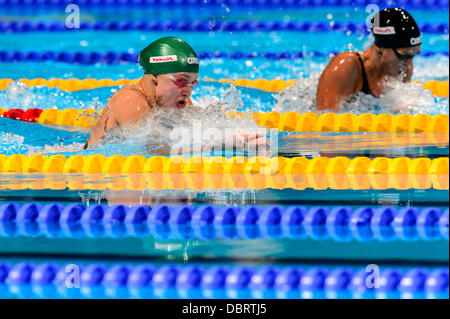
174,90
399,61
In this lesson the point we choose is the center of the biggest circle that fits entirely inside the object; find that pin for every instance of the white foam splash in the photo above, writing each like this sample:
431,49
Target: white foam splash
300,97
57,148
19,94
398,97
6,139
154,133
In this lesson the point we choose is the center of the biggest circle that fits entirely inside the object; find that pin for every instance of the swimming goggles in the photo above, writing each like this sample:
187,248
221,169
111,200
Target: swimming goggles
182,82
403,55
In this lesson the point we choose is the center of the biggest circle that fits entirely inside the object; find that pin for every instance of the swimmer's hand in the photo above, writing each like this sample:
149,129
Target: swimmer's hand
238,141
254,142
256,139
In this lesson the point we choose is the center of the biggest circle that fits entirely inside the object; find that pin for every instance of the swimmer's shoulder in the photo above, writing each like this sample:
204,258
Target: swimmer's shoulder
128,103
348,67
128,92
129,97
346,60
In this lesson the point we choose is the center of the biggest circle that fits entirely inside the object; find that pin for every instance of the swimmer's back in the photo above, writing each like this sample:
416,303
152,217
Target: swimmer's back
127,104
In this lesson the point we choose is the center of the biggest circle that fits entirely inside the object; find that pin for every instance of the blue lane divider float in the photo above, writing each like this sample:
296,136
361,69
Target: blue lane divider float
47,280
88,58
416,4
204,26
209,222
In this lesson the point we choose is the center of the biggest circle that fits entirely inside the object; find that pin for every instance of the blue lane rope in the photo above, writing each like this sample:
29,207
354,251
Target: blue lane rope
416,4
204,26
89,58
187,280
209,222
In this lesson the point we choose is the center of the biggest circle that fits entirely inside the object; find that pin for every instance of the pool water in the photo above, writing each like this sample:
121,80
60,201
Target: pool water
146,241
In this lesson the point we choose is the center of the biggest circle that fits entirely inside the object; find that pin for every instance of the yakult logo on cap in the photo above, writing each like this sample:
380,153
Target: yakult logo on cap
384,30
163,59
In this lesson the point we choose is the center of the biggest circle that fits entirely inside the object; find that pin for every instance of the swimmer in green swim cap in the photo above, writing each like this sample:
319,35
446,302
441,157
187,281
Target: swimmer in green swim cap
397,42
171,71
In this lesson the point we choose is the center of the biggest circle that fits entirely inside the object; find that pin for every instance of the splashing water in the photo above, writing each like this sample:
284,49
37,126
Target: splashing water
231,101
197,128
300,97
56,148
92,118
18,95
7,138
399,97
13,144
409,98
152,135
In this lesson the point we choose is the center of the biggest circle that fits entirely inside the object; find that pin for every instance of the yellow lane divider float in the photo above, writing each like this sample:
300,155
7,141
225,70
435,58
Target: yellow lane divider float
158,172
291,121
438,88
349,122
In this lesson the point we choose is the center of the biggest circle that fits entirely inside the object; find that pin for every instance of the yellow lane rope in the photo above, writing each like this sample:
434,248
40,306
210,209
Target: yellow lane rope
438,88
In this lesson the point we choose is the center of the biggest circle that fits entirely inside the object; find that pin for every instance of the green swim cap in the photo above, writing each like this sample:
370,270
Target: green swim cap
168,55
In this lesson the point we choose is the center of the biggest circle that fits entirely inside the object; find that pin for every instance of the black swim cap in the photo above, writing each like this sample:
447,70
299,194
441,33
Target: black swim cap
395,28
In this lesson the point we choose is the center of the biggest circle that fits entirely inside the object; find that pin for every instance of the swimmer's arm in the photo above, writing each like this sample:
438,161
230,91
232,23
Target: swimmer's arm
338,81
125,106
98,130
